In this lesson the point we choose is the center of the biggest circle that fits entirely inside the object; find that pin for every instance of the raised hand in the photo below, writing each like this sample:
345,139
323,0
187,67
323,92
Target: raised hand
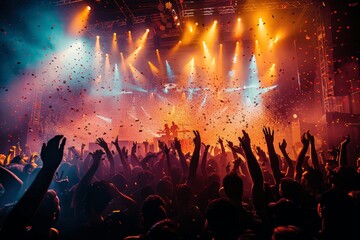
161,145
261,153
345,141
116,142
101,142
197,139
304,139
51,153
125,152
245,140
97,156
283,145
239,149
220,141
133,149
269,135
166,149
230,144
177,144
206,146
310,137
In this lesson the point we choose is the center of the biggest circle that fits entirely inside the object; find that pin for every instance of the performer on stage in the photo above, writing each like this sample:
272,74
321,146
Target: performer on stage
174,130
167,131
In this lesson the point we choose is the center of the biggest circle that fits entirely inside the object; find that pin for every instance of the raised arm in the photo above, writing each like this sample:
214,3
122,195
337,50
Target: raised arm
82,151
343,155
134,158
101,142
274,161
204,160
253,165
313,153
85,181
168,163
290,169
301,158
223,159
145,160
124,162
194,159
182,158
23,211
258,193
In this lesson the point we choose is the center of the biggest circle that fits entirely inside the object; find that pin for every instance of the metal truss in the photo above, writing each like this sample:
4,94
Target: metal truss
190,9
63,2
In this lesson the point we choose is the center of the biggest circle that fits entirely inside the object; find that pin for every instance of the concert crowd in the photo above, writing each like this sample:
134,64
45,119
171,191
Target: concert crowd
233,190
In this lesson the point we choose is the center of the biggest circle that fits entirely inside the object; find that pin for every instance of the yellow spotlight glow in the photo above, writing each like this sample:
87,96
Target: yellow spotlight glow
123,66
188,36
114,45
147,30
238,29
143,38
220,60
261,21
270,77
130,40
196,24
78,24
211,35
138,76
159,59
154,70
107,64
97,44
88,8
276,39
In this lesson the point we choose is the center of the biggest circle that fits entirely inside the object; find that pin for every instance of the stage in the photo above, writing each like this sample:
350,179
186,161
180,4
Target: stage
86,76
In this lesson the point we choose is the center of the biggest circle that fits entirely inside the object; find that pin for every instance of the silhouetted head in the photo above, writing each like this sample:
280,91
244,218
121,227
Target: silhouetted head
233,186
285,212
223,219
48,211
153,210
120,182
290,189
345,178
164,230
184,195
165,187
97,198
289,233
312,181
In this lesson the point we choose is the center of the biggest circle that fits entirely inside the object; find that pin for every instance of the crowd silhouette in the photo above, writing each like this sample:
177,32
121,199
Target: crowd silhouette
238,191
